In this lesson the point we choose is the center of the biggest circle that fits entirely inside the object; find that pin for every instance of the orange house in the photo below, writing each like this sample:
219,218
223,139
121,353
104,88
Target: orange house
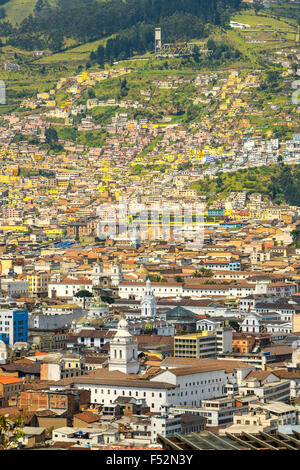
242,343
10,386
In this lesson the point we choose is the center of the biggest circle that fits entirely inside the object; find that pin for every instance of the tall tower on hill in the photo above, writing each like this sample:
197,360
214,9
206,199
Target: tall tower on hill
157,40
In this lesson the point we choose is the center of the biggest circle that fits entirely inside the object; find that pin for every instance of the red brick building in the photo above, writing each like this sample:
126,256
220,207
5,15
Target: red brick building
69,401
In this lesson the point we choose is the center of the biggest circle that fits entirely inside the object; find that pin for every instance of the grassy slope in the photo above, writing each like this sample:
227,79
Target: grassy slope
284,32
79,54
17,10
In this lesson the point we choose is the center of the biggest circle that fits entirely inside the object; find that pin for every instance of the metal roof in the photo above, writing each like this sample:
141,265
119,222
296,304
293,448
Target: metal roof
207,440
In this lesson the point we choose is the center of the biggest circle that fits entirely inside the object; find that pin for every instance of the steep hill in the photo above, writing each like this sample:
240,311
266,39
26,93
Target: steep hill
53,23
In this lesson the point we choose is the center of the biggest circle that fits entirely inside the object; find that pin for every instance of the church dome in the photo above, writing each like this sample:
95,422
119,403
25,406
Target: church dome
99,304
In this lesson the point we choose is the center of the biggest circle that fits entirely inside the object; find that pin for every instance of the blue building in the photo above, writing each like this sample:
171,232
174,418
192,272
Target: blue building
234,266
13,326
215,212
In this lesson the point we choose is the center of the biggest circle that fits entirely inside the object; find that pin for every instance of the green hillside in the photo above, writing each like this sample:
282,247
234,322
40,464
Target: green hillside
231,51
17,10
279,183
56,24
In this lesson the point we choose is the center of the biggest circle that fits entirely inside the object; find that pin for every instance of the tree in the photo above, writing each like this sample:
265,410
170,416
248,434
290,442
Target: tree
203,272
235,325
51,136
100,56
257,5
107,299
219,181
10,432
83,294
294,67
211,45
296,235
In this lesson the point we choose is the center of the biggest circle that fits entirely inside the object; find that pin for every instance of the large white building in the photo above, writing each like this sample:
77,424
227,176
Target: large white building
66,288
196,290
107,387
182,382
200,382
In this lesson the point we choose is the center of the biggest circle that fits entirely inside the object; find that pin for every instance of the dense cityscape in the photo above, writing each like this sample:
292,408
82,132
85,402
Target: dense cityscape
150,227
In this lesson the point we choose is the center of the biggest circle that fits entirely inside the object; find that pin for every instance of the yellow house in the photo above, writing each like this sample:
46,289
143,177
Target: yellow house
38,283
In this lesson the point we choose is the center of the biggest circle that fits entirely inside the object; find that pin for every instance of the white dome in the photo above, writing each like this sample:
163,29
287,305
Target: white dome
122,328
2,346
123,323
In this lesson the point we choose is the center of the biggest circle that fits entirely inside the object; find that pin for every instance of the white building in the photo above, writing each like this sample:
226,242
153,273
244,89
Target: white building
251,323
3,353
116,274
124,350
84,436
148,302
136,290
284,413
206,324
92,338
67,287
205,379
266,386
165,424
106,388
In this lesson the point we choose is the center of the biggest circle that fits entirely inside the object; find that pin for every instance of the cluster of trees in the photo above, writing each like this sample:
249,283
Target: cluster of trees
51,139
140,38
11,430
202,272
273,82
2,10
156,278
221,50
279,183
89,20
178,27
285,187
296,236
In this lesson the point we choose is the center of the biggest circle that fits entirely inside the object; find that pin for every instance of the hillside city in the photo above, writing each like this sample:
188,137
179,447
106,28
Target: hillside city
150,240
